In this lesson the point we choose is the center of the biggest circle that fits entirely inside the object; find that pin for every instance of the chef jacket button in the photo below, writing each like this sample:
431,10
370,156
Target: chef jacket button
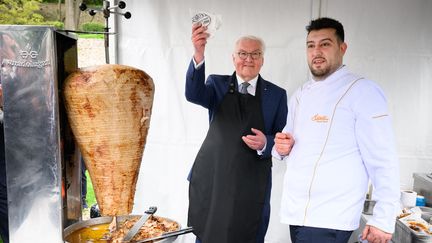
231,91
231,84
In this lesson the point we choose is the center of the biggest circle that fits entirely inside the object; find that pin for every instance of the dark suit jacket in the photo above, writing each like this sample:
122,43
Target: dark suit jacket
210,93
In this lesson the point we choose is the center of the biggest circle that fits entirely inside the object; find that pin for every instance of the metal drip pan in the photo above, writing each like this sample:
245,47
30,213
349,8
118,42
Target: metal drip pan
93,230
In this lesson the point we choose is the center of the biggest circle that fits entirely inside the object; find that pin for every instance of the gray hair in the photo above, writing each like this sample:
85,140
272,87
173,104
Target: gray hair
252,38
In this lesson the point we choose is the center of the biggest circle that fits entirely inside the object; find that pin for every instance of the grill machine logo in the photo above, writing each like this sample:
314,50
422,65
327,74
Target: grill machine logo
28,55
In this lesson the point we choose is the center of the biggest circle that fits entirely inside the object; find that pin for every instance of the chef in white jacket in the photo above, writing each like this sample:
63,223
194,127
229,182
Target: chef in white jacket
338,136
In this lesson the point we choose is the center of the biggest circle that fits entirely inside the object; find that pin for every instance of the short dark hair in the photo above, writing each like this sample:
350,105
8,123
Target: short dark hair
325,23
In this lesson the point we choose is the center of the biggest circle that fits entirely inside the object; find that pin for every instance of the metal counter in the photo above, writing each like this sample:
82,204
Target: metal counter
423,186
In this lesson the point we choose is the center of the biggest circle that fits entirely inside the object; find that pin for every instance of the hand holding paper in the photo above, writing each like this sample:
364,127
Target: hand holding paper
212,21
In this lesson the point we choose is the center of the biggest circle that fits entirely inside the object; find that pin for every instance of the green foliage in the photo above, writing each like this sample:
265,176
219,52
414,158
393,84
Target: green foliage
97,27
88,2
57,24
52,1
20,12
90,36
90,198
93,2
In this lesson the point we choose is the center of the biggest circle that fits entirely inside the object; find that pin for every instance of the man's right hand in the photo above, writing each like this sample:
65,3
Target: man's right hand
199,41
283,143
375,235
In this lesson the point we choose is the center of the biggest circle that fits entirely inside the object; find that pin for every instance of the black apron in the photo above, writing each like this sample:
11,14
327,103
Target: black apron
228,180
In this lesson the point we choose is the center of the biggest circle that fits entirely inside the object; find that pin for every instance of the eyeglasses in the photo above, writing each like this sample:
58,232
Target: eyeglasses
244,55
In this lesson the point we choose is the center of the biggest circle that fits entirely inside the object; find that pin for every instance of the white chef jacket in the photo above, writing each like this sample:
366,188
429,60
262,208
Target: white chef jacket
343,137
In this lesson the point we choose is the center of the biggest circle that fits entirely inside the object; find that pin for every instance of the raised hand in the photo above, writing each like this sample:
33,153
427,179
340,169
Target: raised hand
199,41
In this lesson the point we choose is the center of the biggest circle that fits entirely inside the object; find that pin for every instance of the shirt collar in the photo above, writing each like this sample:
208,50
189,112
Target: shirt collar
341,71
335,75
252,82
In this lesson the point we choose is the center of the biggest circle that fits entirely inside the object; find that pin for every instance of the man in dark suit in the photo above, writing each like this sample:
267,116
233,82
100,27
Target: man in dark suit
230,181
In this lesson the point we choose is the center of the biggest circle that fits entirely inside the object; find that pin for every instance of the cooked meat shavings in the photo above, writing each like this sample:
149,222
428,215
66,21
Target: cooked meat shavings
154,226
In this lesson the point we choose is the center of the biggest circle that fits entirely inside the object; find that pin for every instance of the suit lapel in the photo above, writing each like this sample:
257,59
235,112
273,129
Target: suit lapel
265,101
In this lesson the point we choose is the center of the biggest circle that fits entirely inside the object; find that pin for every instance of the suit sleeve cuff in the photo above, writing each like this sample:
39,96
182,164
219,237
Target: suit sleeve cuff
261,152
197,65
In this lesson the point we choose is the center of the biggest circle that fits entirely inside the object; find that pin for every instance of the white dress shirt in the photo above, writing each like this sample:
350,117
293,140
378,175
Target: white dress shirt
252,84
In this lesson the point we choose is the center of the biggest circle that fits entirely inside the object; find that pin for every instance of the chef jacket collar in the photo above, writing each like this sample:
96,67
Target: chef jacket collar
342,70
335,75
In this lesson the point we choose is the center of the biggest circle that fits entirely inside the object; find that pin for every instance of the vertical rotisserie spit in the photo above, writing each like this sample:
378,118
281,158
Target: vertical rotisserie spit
109,108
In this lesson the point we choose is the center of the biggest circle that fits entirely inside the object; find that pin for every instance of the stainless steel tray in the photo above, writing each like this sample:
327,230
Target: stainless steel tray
404,234
106,220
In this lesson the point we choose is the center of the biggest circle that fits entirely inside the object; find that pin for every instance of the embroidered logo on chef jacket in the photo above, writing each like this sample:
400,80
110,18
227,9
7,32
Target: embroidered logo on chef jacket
320,118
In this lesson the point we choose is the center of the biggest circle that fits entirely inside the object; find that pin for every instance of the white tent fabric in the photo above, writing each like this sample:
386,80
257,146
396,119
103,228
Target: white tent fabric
388,41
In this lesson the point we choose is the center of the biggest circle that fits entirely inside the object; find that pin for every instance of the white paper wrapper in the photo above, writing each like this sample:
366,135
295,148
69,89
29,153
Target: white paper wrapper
414,218
212,21
408,198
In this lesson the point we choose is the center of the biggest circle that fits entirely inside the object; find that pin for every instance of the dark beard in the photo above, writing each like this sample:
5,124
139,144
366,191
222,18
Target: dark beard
321,73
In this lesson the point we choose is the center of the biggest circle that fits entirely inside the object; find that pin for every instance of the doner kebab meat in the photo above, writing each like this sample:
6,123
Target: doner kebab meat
109,108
